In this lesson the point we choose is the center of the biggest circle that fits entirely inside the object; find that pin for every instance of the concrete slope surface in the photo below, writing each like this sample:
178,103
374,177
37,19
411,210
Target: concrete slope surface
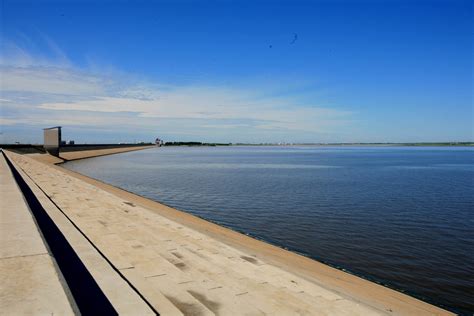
180,270
30,281
83,154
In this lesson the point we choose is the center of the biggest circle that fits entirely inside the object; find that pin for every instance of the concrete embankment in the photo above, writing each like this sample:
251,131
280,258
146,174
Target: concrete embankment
147,258
83,154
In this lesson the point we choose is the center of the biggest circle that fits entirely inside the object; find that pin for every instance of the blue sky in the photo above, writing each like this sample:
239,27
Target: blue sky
229,71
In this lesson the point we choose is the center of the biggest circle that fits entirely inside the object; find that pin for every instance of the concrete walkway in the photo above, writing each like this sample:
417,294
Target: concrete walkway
30,282
182,271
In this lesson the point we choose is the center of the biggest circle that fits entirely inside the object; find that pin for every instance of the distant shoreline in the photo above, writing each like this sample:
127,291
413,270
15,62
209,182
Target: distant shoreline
440,144
453,144
38,148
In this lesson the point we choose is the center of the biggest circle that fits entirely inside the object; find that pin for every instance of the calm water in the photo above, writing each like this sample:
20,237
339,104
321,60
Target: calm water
400,216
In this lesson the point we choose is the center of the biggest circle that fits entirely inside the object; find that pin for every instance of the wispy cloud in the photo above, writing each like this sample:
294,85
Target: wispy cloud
37,91
50,80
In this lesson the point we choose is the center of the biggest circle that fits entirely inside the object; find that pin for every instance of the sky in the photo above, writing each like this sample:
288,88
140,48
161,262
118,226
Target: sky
237,71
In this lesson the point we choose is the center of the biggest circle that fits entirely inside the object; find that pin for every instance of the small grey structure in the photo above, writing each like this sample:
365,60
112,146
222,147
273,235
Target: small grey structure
52,140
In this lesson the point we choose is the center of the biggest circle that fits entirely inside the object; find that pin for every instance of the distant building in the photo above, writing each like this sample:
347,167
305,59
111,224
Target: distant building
71,142
52,140
159,142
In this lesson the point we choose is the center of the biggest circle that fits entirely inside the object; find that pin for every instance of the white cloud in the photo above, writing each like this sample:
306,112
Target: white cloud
43,93
5,121
213,104
50,80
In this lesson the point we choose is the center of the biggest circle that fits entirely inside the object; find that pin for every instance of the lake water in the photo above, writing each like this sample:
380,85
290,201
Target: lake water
400,216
